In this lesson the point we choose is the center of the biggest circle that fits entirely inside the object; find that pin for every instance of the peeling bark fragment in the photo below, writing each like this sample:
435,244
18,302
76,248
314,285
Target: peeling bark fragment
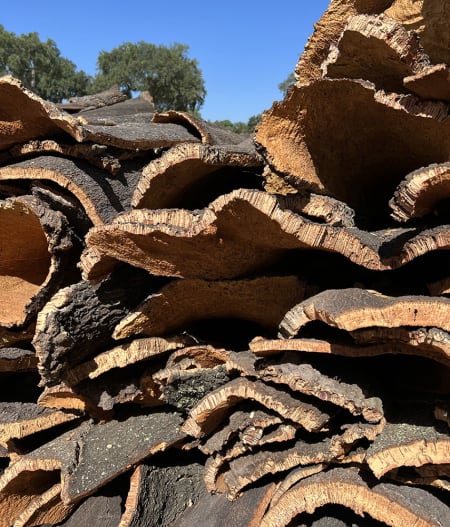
36,244
101,196
429,19
159,495
352,309
121,356
387,503
24,116
327,31
309,381
18,420
291,138
217,511
207,132
16,359
431,83
390,53
79,320
407,444
178,304
187,169
211,410
419,193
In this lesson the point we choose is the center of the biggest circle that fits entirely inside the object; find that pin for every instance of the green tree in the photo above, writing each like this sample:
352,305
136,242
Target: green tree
286,84
240,127
172,78
40,66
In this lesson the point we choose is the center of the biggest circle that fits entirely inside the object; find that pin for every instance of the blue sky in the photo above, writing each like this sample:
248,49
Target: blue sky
244,48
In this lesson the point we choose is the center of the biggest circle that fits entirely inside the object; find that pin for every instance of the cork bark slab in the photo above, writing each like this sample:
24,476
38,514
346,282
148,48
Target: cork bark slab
177,305
101,196
97,100
327,31
36,245
17,359
212,409
432,83
189,169
142,104
352,309
107,509
429,19
387,503
419,193
61,342
390,53
237,234
359,167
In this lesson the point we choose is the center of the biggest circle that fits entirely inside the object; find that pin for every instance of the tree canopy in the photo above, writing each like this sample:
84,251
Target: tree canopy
284,86
40,66
173,79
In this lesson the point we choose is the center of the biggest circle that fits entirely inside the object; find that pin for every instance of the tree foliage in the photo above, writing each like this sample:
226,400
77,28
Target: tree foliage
40,66
240,127
285,85
173,79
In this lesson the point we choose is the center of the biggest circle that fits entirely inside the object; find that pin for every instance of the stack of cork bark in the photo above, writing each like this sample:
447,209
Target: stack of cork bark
202,329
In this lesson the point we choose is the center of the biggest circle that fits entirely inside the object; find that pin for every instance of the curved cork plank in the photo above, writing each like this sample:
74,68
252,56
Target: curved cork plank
432,83
352,309
291,139
121,356
212,243
207,132
420,192
101,196
180,303
99,156
427,343
36,245
212,409
387,503
327,31
24,116
45,509
429,20
17,359
407,445
201,356
61,342
188,169
293,477
19,420
171,490
251,438
249,468
390,53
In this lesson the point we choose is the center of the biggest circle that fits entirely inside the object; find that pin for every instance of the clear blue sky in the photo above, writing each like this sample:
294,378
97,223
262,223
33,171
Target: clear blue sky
244,48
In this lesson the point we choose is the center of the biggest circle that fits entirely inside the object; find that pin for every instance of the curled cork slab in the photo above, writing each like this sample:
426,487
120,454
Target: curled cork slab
390,504
237,234
407,444
184,171
180,303
101,196
390,53
212,409
433,82
19,420
122,356
24,116
327,31
352,309
36,244
419,193
429,19
359,166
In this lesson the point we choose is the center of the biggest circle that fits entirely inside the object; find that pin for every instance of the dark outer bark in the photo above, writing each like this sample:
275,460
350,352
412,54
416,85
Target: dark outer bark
108,450
16,359
104,511
217,511
166,492
80,319
97,100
